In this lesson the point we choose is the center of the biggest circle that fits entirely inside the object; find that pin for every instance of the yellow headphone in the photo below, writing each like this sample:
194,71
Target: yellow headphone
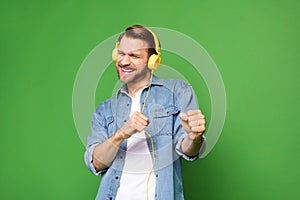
153,61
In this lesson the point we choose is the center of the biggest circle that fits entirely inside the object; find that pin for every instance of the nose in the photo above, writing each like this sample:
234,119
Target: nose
125,60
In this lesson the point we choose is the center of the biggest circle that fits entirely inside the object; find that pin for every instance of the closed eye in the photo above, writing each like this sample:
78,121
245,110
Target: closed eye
121,53
134,55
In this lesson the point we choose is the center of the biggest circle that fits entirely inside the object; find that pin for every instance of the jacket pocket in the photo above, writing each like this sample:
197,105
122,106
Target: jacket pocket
162,119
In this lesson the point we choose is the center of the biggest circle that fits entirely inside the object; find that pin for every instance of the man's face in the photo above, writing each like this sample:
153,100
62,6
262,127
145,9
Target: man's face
132,60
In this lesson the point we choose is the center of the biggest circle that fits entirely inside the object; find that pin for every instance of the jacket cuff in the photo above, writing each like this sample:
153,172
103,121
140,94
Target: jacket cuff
186,157
88,157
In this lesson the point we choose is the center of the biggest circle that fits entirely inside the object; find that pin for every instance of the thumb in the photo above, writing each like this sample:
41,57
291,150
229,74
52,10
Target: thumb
183,116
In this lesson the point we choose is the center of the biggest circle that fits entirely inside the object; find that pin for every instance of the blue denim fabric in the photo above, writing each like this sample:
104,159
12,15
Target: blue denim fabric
167,98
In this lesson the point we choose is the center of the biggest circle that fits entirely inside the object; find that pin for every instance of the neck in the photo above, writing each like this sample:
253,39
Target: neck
133,88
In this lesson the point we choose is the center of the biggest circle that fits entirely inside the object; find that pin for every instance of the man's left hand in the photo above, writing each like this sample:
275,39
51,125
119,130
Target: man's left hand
193,122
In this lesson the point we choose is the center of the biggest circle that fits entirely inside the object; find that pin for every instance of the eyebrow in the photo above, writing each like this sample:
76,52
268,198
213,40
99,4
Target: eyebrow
130,53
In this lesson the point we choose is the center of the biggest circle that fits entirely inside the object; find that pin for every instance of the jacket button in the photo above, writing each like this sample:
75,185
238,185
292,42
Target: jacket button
125,120
116,177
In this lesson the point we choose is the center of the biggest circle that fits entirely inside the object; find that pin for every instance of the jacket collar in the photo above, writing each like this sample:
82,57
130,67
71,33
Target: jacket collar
155,81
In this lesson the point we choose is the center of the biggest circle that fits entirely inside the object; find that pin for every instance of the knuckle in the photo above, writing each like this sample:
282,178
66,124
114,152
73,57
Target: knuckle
199,122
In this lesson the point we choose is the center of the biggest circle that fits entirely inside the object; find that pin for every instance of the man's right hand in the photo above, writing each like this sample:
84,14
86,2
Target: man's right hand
136,123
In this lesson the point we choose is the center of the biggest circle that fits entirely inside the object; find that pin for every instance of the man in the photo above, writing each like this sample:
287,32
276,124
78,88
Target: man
139,135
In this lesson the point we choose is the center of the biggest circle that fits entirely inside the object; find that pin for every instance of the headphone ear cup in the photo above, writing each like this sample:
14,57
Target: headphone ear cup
154,61
114,54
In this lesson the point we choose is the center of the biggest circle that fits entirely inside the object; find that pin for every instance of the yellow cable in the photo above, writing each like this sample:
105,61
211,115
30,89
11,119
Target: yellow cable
153,163
152,144
145,100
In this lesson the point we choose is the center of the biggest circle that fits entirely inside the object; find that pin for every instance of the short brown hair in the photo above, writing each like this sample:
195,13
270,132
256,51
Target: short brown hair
142,33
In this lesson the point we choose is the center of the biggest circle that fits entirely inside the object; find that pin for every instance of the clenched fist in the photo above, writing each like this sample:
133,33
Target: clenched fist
193,122
136,123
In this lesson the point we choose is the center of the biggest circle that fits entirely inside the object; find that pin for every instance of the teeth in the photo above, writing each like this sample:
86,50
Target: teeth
127,70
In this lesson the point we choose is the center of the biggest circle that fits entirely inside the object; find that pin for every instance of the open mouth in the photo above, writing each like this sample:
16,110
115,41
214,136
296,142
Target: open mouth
127,70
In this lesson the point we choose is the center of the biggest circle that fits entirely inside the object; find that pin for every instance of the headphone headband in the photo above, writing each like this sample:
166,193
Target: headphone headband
156,42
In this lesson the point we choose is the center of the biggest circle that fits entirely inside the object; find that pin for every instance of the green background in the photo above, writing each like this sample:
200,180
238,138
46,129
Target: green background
255,45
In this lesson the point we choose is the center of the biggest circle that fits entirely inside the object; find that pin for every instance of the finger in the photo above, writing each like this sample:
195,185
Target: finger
141,125
183,116
196,116
195,136
193,112
198,129
139,121
140,115
198,122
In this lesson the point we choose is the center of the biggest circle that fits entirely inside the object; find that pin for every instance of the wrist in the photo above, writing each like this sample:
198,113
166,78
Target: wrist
121,134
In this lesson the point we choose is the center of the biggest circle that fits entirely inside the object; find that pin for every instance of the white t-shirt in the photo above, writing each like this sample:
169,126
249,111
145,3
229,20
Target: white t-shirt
137,166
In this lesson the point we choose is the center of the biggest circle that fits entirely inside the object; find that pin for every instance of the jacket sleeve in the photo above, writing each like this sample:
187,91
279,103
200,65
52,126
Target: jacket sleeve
99,134
186,100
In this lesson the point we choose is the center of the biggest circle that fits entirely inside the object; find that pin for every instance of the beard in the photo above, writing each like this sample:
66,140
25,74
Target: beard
130,75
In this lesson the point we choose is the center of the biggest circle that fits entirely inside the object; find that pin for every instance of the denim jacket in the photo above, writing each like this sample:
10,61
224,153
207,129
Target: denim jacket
167,98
